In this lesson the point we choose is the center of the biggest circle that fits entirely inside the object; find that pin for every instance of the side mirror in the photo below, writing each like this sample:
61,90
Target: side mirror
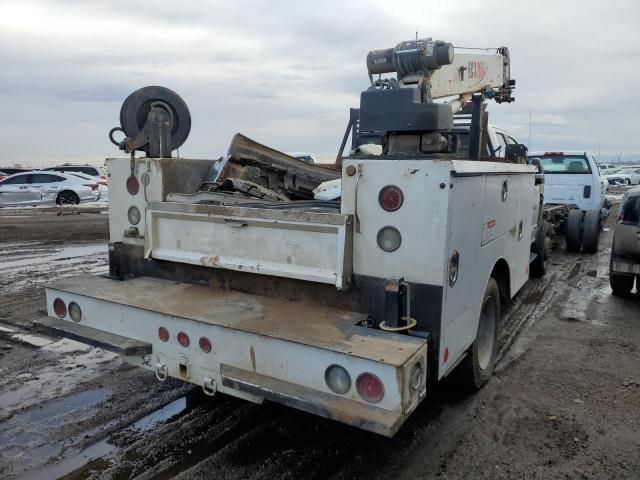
516,152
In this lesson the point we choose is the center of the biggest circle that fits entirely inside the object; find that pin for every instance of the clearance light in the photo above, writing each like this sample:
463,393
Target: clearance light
370,387
390,198
163,334
59,308
337,379
183,339
205,344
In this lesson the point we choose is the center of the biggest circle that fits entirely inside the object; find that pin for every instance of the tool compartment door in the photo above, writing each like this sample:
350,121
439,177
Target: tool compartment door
286,243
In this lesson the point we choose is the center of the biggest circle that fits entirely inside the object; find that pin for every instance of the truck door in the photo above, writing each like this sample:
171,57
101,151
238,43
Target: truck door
462,295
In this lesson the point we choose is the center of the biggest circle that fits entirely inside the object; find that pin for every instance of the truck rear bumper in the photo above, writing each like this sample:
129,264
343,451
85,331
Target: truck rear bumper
624,265
262,347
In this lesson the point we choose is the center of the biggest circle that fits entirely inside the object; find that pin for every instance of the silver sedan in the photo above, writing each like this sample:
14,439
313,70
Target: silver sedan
38,188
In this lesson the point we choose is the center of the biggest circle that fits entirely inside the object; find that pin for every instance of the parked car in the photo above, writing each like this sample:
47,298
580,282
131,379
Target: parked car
625,176
37,188
98,172
12,170
624,268
102,186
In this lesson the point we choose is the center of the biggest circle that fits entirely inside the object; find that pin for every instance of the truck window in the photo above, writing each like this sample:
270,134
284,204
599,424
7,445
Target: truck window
630,211
571,164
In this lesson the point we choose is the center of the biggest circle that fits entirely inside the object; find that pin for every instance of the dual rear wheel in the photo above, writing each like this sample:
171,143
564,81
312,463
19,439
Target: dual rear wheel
583,231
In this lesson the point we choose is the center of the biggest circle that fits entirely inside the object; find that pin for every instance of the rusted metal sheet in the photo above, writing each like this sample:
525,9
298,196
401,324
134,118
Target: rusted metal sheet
274,170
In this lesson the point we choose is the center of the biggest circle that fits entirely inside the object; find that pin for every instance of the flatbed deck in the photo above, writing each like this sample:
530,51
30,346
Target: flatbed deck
312,325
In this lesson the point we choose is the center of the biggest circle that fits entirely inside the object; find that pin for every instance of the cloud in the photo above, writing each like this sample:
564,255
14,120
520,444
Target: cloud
287,72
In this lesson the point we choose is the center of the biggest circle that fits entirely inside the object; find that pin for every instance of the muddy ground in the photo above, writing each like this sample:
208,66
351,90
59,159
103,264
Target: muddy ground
564,403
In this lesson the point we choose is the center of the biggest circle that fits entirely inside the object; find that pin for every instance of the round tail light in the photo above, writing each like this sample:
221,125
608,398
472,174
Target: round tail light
133,186
133,214
389,239
205,344
59,308
337,379
183,339
75,312
390,198
163,334
370,387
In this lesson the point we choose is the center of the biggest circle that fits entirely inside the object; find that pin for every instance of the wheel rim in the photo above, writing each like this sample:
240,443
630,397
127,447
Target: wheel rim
487,331
67,198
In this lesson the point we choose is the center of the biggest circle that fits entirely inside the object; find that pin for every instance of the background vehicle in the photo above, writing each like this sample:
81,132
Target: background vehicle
39,188
497,137
625,176
574,197
625,253
351,309
97,172
102,186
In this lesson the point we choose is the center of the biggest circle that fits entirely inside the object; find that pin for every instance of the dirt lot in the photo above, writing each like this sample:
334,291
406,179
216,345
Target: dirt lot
564,403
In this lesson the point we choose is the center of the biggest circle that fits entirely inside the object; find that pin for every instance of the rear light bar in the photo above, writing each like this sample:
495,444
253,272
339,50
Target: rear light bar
553,153
92,185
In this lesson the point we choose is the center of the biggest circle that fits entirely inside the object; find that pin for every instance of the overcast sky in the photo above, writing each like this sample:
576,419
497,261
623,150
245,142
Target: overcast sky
286,72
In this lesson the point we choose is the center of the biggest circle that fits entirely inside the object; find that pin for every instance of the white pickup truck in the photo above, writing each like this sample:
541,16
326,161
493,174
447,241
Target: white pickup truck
574,196
229,275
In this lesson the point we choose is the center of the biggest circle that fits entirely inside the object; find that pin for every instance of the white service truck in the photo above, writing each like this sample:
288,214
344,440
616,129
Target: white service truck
229,274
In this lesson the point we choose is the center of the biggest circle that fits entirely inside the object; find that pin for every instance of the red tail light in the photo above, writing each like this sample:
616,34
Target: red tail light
103,182
370,387
133,187
163,334
553,153
59,308
390,198
205,344
183,339
92,185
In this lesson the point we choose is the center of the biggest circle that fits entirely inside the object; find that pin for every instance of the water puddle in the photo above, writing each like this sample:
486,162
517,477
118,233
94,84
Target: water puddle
23,438
62,377
101,455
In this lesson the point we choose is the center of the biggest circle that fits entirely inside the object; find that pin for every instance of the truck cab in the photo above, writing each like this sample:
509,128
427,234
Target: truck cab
574,196
572,178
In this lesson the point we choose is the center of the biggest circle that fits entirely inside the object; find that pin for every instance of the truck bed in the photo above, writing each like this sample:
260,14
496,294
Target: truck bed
308,324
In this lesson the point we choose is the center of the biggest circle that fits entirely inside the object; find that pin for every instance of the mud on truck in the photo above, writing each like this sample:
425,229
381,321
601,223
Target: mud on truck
232,275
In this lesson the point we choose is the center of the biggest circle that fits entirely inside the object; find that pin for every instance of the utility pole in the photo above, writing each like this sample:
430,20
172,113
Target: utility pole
529,145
